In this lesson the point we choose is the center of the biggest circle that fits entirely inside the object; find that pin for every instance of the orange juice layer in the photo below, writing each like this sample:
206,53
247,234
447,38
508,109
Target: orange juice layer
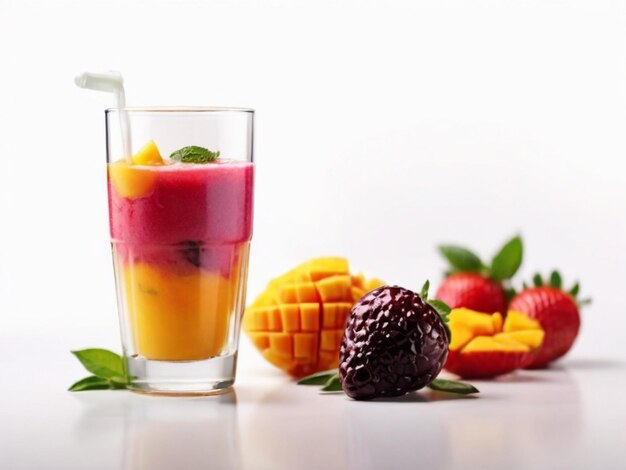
178,316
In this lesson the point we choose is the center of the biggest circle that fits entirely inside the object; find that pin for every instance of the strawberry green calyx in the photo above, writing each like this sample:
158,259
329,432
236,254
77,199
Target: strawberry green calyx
503,266
556,281
329,380
442,309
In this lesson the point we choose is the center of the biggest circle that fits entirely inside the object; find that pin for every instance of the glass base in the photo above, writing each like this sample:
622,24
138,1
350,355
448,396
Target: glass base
182,378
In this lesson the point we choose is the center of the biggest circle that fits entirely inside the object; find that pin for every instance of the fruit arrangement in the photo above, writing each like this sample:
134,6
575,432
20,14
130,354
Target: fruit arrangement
389,341
298,321
395,342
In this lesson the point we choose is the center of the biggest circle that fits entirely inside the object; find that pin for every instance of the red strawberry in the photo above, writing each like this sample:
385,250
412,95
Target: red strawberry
556,311
473,291
472,284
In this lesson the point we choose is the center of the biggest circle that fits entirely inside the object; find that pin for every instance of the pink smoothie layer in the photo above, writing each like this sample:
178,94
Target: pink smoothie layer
192,209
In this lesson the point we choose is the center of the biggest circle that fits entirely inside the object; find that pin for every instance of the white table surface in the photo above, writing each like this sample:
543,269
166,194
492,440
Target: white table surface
570,417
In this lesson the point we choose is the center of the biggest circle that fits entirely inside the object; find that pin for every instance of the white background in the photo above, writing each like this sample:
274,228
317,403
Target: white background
383,128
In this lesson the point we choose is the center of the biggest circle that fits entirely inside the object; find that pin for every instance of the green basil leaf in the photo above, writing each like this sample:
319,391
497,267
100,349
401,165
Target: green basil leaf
452,386
101,362
194,154
333,385
319,378
508,260
461,259
90,383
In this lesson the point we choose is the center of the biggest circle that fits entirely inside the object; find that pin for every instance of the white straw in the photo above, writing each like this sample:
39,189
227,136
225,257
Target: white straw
111,82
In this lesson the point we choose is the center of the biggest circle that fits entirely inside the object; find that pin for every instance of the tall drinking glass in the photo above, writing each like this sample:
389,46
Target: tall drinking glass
180,235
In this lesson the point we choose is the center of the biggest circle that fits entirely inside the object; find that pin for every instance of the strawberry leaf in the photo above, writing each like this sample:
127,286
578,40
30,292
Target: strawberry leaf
537,280
508,260
333,385
555,279
461,259
443,311
424,291
319,378
452,386
574,290
510,293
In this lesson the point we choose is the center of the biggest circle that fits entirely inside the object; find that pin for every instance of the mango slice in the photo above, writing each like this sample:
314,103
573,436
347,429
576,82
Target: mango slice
516,321
298,322
466,324
485,345
494,343
531,338
148,155
130,181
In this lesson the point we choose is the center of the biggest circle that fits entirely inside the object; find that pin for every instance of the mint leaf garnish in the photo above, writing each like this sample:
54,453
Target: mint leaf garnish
508,260
194,154
452,386
461,259
109,371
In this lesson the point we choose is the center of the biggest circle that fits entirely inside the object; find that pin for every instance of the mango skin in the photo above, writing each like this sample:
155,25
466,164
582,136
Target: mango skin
298,322
487,347
485,364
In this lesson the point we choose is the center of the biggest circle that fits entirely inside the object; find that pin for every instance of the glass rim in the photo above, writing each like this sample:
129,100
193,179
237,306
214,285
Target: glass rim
181,109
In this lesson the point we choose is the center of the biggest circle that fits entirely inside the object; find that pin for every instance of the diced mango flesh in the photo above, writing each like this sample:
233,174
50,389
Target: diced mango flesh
309,304
335,288
531,338
466,324
373,283
488,343
475,331
497,321
516,321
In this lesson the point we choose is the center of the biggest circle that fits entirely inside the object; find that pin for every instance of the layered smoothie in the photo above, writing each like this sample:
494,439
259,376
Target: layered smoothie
180,234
